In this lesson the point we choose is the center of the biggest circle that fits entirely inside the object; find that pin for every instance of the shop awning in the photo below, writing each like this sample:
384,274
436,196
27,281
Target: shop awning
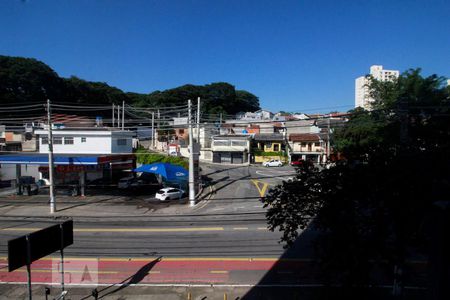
43,160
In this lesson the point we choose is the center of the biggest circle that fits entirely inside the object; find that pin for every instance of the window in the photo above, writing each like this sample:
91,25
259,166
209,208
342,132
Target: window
121,142
317,144
276,147
222,143
44,140
68,140
239,143
57,140
83,140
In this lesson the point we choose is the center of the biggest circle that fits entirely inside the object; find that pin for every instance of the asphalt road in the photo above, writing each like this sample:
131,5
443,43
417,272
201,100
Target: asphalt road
230,224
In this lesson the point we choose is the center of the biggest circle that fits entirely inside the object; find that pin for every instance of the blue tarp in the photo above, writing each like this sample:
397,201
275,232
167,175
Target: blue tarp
167,170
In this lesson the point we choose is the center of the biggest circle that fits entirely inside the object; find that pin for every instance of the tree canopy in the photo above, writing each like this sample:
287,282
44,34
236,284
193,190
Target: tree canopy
27,80
372,206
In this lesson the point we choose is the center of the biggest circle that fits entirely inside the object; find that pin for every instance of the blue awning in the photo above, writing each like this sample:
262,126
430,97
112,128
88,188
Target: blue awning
42,159
167,170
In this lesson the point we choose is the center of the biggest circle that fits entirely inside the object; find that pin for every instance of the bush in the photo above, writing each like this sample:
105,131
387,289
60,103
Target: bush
144,156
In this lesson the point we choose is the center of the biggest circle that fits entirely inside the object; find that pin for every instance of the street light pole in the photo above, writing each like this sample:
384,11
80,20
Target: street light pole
153,129
191,158
113,113
123,115
50,160
198,120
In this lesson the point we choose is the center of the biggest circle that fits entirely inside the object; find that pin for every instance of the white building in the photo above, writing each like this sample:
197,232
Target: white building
87,141
231,149
362,93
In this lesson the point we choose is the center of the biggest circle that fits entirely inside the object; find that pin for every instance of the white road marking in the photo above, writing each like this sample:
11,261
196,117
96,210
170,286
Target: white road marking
219,208
273,176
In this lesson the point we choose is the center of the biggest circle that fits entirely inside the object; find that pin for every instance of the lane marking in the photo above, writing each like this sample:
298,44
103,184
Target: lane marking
262,228
57,271
262,190
216,209
285,175
181,229
240,228
218,272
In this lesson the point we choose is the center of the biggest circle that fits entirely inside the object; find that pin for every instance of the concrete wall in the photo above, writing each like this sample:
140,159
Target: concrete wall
261,159
8,172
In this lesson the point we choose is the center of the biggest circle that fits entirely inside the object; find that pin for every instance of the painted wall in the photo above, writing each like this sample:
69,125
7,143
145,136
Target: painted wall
88,142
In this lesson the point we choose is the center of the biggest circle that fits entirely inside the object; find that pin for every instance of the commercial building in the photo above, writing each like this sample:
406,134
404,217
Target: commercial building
79,156
362,91
231,149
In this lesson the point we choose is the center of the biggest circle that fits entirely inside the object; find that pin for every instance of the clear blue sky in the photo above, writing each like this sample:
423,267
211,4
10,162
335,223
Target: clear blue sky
294,55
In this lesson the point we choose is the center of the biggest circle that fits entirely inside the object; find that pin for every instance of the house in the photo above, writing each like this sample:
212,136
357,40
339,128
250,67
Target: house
232,149
264,114
261,114
307,146
301,126
268,146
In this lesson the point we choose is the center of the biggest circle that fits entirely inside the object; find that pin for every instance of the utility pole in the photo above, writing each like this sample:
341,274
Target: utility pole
328,138
118,116
198,120
113,115
153,129
50,160
220,122
123,115
191,158
159,117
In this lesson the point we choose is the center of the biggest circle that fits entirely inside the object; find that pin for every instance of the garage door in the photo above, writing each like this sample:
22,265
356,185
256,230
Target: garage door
225,157
236,158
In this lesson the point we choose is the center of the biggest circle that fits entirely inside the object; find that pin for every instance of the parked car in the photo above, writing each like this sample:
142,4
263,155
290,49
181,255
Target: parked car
299,162
169,193
272,163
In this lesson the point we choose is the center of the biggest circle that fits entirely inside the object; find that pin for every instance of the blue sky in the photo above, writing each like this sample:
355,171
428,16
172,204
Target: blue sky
294,55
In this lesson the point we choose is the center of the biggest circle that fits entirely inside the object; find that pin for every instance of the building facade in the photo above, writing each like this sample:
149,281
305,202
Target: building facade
87,141
231,149
362,92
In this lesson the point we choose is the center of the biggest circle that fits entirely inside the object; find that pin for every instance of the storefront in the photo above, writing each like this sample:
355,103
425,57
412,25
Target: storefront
70,169
231,149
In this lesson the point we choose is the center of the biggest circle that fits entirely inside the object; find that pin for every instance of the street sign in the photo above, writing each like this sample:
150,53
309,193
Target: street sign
28,248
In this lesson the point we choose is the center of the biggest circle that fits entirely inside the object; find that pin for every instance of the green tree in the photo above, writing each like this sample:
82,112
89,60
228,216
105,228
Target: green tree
371,207
25,80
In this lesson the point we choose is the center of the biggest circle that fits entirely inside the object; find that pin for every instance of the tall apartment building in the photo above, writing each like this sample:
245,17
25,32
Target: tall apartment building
362,93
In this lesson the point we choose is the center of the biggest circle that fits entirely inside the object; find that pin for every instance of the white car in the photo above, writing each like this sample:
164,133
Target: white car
169,193
272,163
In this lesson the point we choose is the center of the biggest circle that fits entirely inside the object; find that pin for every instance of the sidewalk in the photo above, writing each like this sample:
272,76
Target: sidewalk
96,206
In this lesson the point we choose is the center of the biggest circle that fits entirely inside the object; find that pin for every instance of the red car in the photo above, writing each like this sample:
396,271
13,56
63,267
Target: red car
297,162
